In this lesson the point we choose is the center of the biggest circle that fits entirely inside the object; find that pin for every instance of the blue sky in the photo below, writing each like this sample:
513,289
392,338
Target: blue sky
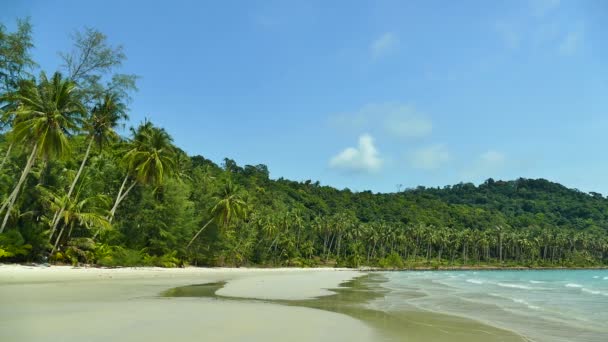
363,94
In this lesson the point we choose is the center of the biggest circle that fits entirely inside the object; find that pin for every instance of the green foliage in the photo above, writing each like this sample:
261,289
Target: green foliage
12,244
393,261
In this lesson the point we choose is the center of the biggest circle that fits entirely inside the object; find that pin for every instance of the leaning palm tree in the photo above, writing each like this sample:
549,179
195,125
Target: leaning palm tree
105,117
8,106
89,212
229,205
6,120
47,113
150,159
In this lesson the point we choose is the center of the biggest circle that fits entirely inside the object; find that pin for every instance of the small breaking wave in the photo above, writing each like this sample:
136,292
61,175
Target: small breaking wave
515,286
594,292
574,285
536,282
475,281
521,301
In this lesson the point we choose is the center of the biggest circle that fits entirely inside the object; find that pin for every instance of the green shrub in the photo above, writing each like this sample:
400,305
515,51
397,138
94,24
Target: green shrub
393,260
13,245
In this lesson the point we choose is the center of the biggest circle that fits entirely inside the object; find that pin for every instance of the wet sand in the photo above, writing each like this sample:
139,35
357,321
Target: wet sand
67,304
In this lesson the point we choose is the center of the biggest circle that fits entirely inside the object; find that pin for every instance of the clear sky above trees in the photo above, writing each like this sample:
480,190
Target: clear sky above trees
447,92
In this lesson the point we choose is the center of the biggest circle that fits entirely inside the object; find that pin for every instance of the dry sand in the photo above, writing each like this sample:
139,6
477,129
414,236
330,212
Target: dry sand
90,304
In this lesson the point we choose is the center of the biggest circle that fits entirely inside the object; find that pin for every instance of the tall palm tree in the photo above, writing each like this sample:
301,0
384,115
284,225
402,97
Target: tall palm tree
149,159
230,205
47,113
6,120
105,117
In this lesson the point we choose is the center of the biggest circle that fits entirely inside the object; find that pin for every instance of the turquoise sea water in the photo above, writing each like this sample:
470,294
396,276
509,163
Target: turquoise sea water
541,305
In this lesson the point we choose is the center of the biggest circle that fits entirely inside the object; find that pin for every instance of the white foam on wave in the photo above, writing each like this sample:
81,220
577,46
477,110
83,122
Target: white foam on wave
475,281
521,301
605,278
594,292
595,277
573,285
536,282
515,286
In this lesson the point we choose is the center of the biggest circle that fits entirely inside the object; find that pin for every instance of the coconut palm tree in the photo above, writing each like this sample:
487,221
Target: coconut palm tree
47,113
149,159
230,205
89,212
6,120
105,117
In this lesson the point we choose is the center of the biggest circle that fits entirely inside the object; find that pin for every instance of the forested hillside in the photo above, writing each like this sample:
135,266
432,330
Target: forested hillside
74,190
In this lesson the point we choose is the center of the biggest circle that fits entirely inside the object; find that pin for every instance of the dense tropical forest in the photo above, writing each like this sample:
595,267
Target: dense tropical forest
79,187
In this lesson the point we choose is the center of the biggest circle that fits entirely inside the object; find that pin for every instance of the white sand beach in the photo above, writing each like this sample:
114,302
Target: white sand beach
91,304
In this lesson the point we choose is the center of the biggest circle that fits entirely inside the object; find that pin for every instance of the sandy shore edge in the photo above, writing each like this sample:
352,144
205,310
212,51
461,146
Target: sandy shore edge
63,303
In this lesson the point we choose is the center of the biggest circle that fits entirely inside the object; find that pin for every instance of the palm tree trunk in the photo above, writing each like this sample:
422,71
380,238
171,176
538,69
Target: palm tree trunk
500,249
121,197
198,233
13,196
72,186
57,240
8,153
339,245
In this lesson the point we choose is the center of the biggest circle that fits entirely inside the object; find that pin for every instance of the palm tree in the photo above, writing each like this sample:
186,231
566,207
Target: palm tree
6,120
149,159
105,117
229,205
47,113
88,212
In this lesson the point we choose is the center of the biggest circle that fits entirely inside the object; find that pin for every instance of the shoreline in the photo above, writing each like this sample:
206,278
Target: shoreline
286,296
319,268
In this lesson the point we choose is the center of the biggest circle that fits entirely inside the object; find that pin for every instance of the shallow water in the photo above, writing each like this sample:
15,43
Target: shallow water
542,305
353,299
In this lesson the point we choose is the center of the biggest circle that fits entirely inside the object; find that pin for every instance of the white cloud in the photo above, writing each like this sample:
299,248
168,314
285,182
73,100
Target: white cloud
570,43
384,44
430,157
363,158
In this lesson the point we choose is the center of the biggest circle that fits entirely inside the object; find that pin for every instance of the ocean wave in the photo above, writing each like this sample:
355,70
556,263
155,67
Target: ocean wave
573,285
521,301
515,286
475,281
594,292
536,282
605,278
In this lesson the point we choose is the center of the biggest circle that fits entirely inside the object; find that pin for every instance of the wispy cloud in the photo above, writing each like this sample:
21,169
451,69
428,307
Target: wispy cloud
488,164
492,158
396,119
537,29
363,158
430,157
384,44
570,43
405,121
